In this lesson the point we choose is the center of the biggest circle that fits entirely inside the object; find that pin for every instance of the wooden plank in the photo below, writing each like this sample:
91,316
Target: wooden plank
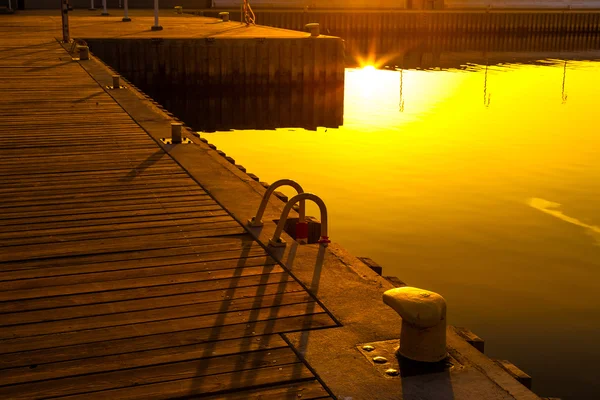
211,322
196,247
111,230
228,287
188,387
44,157
172,215
245,366
108,196
103,176
81,247
165,257
237,292
75,167
11,295
109,210
100,217
73,145
95,186
158,313
211,337
81,277
162,194
41,191
181,352
305,390
85,206
114,173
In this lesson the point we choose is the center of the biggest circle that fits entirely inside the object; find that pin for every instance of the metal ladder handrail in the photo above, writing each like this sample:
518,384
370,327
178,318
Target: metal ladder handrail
323,241
256,221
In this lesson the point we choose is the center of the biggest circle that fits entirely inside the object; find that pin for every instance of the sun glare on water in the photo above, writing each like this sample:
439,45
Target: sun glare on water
369,68
369,80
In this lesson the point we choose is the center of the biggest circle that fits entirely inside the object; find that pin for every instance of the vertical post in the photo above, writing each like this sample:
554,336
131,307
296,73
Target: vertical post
156,26
176,133
9,6
92,8
126,16
65,20
104,10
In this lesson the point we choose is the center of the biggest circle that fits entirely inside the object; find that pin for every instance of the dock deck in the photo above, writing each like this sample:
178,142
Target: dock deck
126,272
119,275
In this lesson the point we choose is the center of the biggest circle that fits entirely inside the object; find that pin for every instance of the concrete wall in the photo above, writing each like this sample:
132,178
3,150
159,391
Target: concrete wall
314,4
523,4
211,62
320,4
85,4
437,22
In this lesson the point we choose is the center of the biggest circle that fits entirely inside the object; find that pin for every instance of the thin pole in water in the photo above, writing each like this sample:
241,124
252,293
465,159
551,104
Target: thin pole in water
92,8
104,10
126,16
564,93
156,26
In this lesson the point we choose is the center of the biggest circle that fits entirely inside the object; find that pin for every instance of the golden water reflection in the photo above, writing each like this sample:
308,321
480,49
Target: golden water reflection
433,175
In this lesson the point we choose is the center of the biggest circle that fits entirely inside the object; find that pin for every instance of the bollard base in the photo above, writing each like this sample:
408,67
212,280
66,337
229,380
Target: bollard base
252,223
126,19
278,243
105,14
92,9
84,53
398,366
170,141
156,28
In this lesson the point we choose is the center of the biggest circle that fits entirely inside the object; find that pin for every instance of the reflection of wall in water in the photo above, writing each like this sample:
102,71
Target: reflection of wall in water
458,51
245,108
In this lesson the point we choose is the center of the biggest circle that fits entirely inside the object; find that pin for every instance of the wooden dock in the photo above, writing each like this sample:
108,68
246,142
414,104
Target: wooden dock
120,277
125,272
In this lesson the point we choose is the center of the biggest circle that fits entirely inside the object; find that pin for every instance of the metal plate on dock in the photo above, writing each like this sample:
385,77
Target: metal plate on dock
170,141
382,355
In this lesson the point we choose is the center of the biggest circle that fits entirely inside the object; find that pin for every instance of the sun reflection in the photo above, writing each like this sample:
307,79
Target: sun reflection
369,68
369,80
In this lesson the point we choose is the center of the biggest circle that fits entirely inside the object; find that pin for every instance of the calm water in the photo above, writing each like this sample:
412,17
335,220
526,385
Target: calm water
480,183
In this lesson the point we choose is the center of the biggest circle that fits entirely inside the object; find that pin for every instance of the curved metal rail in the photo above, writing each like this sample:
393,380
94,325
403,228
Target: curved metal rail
256,221
324,240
